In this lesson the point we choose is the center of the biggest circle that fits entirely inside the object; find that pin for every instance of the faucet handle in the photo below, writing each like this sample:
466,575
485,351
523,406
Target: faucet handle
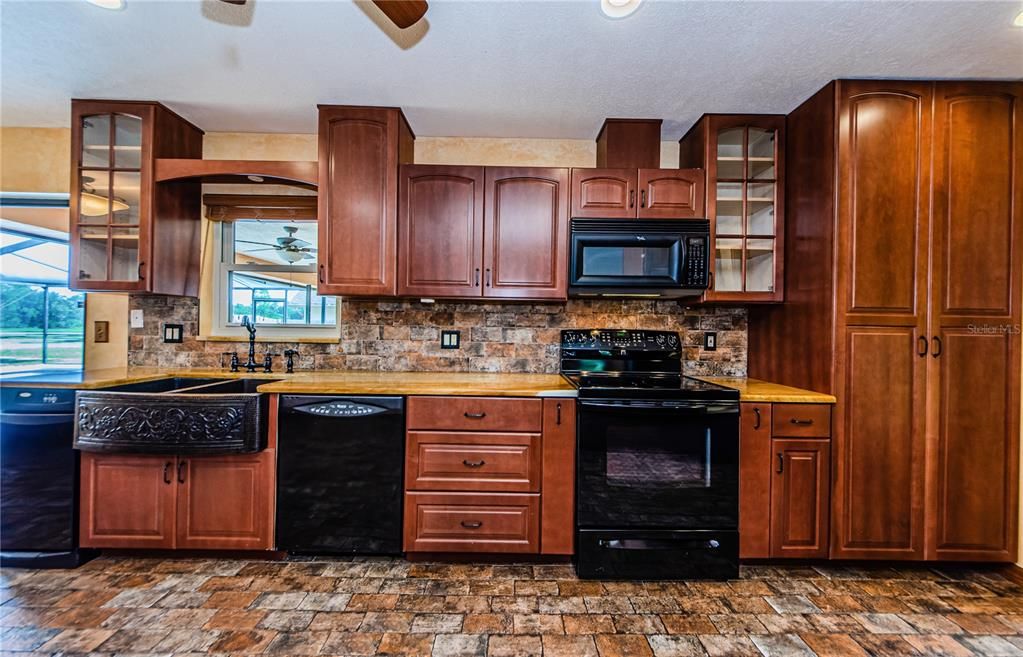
290,355
268,360
234,361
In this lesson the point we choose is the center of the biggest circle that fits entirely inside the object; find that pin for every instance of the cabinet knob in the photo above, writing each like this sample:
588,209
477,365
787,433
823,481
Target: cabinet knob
801,422
472,524
474,464
474,416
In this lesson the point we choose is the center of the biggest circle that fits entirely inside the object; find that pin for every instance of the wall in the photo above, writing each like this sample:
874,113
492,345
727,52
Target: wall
405,335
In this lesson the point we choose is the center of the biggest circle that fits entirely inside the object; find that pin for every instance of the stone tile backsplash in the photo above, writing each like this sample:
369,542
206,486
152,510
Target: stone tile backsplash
495,337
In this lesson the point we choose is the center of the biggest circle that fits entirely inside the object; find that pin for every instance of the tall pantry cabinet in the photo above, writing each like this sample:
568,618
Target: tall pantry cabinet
903,293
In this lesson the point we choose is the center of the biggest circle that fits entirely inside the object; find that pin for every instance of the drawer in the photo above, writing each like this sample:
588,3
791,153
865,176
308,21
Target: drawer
801,420
501,462
474,414
472,522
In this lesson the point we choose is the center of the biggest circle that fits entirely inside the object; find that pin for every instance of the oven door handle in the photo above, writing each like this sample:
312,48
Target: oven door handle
674,407
657,544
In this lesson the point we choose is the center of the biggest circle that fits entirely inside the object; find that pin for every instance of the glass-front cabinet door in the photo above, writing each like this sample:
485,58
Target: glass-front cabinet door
110,222
744,159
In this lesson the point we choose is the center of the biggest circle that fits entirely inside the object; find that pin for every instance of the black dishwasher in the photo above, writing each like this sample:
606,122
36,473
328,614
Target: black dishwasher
340,474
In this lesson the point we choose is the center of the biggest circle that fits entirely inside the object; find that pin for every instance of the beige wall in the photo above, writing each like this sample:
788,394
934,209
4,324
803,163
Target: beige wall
35,159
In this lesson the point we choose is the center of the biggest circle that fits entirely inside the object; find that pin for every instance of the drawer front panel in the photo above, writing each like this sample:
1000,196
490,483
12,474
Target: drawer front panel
472,522
474,414
802,420
500,462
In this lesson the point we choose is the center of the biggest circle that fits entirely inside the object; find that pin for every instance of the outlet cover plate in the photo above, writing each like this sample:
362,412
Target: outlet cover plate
450,339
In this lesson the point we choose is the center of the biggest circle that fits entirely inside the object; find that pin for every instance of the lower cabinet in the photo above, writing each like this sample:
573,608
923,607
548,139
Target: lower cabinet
785,480
201,502
490,474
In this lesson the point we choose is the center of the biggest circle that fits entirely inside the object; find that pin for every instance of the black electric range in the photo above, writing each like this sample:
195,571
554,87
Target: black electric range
657,486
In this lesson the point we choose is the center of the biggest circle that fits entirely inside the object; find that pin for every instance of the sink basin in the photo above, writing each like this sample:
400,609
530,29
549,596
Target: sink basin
174,416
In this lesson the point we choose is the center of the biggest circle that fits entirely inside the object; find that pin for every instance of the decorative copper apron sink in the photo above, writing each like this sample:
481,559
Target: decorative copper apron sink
174,416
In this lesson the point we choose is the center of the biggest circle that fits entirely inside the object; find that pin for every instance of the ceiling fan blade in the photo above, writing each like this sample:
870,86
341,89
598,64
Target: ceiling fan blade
258,250
234,2
403,13
260,243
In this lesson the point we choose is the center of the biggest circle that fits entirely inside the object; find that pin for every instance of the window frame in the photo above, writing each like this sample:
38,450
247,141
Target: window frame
223,246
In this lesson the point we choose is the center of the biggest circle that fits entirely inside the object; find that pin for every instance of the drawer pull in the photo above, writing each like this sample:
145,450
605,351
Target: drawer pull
472,524
756,412
475,416
801,422
474,464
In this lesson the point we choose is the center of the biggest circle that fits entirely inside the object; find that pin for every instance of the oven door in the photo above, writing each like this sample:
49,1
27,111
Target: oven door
658,464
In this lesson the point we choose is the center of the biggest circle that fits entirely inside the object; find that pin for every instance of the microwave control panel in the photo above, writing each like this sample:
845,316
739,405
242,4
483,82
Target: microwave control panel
695,273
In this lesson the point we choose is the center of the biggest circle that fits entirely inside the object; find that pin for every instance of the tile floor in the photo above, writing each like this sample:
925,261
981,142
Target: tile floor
122,606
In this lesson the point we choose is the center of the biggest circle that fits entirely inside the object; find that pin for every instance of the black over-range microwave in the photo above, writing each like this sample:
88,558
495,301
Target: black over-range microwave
664,258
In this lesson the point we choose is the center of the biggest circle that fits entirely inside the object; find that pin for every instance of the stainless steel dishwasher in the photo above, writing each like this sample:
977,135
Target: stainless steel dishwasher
340,474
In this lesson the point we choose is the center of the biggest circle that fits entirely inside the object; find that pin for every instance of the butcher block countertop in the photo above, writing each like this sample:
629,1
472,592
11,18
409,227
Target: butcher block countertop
755,390
393,383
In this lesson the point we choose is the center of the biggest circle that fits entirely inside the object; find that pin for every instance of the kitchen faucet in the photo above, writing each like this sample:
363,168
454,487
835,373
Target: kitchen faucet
250,364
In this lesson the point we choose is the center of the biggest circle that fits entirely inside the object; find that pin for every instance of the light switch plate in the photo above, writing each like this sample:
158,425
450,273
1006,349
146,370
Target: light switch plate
136,318
710,341
450,339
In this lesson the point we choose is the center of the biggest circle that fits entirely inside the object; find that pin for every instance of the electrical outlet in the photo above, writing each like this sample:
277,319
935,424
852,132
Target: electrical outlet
710,341
137,318
450,339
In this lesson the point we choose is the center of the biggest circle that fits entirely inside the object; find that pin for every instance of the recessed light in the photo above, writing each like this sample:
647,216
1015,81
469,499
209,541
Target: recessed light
255,178
108,4
1018,21
618,8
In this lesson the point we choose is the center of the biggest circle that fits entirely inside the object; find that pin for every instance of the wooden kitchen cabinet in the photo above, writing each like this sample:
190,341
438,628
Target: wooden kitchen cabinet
127,232
201,502
637,193
490,474
491,232
441,231
901,295
800,495
226,502
525,254
360,149
784,482
743,157
127,501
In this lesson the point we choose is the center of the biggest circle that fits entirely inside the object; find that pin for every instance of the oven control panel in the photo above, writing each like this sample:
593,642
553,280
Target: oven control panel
633,340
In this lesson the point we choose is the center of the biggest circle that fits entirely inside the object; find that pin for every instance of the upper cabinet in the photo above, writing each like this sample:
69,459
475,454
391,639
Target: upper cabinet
744,160
499,232
360,149
129,234
637,193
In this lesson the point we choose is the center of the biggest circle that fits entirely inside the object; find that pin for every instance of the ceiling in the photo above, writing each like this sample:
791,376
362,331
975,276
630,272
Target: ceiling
481,68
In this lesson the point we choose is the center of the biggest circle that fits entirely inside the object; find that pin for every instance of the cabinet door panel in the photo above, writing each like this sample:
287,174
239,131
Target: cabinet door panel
441,249
670,193
557,504
755,481
884,147
226,502
879,443
799,498
127,501
357,204
526,230
604,193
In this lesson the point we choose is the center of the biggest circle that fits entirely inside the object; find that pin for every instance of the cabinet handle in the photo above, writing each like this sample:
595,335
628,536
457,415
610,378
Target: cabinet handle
632,198
474,416
142,274
710,280
472,524
474,464
801,422
320,277
489,277
922,342
936,342
558,414
477,284
181,473
781,463
166,471
756,413
642,198
83,274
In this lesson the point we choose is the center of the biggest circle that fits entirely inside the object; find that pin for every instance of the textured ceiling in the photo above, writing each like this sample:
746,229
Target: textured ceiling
517,69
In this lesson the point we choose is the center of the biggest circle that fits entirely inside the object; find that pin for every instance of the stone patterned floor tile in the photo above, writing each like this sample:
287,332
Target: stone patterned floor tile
782,645
729,646
833,645
569,646
938,645
507,645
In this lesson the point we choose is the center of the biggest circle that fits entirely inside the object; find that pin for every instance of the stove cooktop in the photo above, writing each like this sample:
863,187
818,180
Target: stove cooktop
647,386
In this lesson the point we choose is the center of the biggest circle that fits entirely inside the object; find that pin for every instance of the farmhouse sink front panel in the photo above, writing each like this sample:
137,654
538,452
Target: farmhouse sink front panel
225,417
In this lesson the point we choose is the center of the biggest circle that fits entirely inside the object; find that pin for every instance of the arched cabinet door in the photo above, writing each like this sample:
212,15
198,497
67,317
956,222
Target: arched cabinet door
526,233
670,193
440,249
604,193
